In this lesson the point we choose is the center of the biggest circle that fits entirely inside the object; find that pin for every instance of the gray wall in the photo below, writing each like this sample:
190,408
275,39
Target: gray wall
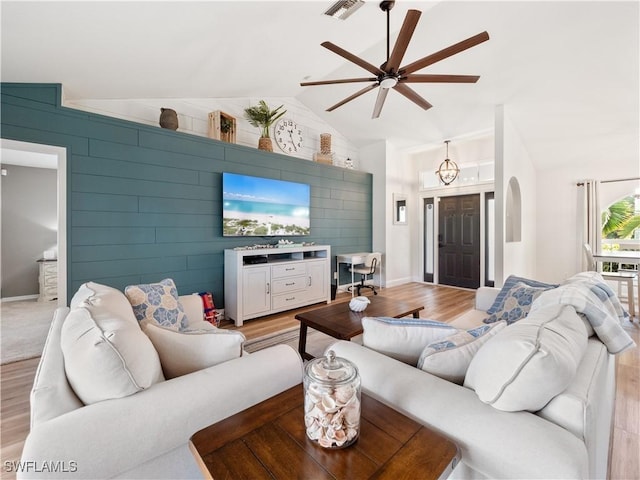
29,222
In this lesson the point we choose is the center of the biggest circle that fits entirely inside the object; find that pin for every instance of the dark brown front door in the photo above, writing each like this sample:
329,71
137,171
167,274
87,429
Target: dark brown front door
459,241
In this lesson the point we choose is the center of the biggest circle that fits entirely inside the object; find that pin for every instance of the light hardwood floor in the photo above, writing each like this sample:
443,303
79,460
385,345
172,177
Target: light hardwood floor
441,303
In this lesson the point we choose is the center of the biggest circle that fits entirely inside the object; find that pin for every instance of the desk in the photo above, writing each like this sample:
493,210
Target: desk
351,259
630,257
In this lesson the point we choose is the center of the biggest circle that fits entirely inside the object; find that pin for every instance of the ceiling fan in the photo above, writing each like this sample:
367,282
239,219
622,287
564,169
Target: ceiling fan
391,75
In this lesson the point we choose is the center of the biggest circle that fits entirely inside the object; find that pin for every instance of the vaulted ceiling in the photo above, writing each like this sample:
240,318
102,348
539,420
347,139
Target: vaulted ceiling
567,72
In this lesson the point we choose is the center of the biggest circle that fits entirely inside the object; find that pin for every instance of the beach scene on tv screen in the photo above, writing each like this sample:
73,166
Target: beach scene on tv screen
255,206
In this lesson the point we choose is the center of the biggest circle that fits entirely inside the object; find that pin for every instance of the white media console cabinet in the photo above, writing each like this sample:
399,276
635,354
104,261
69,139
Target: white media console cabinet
259,282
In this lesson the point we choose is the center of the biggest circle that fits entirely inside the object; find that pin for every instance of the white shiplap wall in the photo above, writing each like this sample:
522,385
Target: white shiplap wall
193,114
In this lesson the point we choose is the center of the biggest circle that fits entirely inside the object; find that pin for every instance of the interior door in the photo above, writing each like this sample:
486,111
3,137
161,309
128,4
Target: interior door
459,241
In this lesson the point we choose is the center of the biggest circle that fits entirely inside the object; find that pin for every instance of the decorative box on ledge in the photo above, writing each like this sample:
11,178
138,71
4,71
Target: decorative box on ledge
222,126
324,156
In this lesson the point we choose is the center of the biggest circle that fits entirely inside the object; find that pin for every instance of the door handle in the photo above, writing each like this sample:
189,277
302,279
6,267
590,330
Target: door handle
268,288
309,281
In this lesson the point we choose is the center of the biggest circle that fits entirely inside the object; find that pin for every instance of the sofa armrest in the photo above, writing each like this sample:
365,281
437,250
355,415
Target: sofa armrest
494,443
193,308
111,437
485,296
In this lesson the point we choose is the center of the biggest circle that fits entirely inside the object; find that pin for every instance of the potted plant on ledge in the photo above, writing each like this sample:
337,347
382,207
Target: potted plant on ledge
263,117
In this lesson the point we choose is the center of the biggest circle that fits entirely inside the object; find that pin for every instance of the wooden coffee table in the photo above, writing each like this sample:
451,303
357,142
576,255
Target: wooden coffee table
338,321
269,441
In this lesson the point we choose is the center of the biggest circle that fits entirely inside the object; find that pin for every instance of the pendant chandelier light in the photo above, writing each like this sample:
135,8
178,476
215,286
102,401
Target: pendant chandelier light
448,170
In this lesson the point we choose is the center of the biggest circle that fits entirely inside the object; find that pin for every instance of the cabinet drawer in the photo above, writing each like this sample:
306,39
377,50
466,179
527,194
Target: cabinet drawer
290,284
50,268
288,270
289,300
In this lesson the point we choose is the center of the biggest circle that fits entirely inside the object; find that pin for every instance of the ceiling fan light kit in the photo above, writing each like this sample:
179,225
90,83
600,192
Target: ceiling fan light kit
390,75
448,169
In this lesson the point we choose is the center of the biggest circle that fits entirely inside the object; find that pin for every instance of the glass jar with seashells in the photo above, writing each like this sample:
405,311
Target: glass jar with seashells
332,401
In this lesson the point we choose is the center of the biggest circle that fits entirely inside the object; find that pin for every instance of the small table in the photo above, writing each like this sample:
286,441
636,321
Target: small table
339,322
269,441
350,259
630,257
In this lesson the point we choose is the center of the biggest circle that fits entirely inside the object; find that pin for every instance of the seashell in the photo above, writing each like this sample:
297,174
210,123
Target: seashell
340,436
325,442
328,404
344,393
351,413
319,371
358,304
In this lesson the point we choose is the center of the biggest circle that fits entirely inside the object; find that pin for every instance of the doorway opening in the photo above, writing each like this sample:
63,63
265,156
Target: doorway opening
28,155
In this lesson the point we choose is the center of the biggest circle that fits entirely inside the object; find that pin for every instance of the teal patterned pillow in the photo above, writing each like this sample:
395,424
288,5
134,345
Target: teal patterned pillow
517,303
158,303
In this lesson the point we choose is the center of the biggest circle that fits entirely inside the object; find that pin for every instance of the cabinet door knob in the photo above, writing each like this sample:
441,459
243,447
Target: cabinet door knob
268,287
309,280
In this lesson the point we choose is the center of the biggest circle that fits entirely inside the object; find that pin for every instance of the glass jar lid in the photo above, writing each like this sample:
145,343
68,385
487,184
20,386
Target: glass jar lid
331,369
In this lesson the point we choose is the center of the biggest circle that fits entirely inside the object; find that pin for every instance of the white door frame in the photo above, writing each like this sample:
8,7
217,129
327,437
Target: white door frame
61,154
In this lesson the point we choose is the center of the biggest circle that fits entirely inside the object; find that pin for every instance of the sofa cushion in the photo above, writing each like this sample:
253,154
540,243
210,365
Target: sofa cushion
450,358
516,303
158,303
106,355
402,338
104,298
508,284
527,364
193,349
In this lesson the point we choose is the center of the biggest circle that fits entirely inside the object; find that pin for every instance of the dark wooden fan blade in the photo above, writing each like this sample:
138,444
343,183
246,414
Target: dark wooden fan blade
344,80
352,58
412,95
382,96
444,53
402,42
355,95
429,78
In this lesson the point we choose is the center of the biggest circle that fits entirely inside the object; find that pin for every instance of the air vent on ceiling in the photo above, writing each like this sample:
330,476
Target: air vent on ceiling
344,8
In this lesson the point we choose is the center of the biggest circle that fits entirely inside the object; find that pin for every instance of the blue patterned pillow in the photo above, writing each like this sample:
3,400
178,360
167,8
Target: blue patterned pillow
158,303
511,280
450,358
516,304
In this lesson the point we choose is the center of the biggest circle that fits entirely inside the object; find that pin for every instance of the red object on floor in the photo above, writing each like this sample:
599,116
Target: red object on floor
210,313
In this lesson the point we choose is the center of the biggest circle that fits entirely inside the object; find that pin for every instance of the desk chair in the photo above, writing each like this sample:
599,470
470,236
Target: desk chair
369,267
626,276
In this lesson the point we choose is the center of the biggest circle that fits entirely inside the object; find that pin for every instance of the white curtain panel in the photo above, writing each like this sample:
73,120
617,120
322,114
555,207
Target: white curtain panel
591,217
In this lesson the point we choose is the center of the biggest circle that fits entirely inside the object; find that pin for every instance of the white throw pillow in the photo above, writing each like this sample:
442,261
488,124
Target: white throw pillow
104,298
402,338
527,364
106,356
192,350
450,358
158,303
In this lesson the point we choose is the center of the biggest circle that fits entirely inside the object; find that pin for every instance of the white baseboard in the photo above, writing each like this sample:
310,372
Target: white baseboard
20,298
397,282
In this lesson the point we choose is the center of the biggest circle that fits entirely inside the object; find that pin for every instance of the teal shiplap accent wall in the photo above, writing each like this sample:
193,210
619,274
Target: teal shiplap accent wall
144,203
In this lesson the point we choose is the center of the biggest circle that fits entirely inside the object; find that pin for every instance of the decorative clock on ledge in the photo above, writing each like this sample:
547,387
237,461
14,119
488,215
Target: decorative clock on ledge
288,136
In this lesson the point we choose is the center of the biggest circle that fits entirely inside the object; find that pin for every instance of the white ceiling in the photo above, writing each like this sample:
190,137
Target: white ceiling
567,72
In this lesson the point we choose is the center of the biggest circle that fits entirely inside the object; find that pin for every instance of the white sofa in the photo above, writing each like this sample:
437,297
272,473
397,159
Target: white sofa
144,435
568,438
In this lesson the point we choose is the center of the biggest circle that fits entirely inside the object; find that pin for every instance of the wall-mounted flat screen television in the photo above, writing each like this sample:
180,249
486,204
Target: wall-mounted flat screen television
261,207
